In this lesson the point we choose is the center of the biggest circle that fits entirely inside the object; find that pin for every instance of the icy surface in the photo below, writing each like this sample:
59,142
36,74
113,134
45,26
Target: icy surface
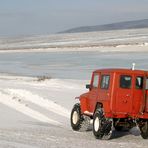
68,65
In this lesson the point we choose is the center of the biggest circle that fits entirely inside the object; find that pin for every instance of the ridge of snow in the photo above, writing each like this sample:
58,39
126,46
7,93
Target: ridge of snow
40,101
7,100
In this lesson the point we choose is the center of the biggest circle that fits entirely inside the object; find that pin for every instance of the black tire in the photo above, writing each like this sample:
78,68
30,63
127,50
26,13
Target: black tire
97,123
76,117
144,130
102,127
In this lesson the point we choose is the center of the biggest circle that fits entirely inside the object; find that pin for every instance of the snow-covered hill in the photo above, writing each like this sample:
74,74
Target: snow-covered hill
78,41
113,26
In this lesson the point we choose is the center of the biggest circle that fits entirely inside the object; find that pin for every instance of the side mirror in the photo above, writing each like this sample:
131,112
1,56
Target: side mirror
88,86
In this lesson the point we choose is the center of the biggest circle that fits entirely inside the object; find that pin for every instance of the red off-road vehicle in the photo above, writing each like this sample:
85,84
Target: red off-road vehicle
117,99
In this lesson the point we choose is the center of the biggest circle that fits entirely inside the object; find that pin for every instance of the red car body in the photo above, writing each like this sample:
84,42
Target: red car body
122,93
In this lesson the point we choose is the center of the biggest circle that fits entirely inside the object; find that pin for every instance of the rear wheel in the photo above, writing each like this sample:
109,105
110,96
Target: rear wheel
102,127
79,122
144,130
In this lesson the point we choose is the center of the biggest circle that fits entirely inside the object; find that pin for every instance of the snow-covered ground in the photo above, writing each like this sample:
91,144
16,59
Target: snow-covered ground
36,114
94,41
35,111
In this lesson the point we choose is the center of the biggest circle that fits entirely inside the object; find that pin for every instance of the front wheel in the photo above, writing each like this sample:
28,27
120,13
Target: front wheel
76,117
102,127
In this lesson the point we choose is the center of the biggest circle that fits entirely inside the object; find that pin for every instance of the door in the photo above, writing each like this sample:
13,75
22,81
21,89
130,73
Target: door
138,94
146,87
124,94
93,94
105,92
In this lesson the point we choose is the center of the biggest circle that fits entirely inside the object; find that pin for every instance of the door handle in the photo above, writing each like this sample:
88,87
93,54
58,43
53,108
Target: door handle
124,101
107,94
127,95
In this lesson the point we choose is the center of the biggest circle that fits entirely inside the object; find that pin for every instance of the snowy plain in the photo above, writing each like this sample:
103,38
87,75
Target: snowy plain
41,76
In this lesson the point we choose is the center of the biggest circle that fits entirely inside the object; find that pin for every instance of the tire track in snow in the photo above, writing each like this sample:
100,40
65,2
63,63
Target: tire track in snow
7,100
40,101
10,144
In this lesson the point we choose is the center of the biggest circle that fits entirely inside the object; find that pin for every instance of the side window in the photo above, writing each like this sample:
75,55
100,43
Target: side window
95,81
139,82
146,84
125,81
105,82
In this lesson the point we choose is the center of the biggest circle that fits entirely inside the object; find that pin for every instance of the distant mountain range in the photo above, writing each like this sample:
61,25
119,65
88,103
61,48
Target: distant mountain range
114,26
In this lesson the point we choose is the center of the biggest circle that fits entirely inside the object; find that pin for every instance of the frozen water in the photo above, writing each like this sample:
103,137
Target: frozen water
68,65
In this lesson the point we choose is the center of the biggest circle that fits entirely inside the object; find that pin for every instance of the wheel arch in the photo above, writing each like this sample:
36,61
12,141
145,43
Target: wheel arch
98,105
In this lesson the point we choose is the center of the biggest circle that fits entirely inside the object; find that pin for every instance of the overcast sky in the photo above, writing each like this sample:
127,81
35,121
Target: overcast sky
33,17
